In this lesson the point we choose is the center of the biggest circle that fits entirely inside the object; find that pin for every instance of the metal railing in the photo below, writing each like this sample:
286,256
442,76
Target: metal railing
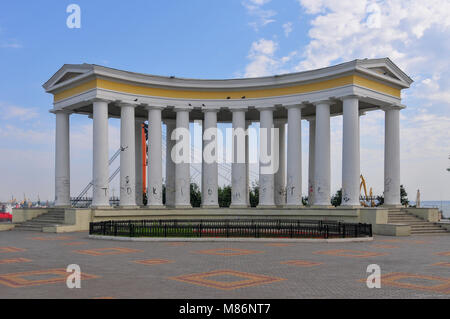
85,202
281,228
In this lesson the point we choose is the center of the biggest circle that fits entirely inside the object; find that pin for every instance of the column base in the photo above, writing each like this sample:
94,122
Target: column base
293,206
209,206
392,206
155,207
322,206
101,207
266,206
182,206
349,206
237,206
128,207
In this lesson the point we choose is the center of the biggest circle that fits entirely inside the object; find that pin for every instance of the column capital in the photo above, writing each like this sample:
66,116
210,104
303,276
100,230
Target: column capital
182,108
238,109
329,102
293,106
153,107
125,104
393,107
270,107
350,96
211,109
61,111
99,99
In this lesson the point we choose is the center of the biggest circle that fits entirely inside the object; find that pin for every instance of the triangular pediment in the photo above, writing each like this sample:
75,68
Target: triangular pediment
66,74
384,71
386,68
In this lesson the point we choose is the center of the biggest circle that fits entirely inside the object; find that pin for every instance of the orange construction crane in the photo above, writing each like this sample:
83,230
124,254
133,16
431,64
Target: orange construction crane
370,197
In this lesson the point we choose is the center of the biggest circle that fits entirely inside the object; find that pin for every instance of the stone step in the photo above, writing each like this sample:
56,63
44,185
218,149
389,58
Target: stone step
40,226
421,224
426,228
404,218
51,216
56,220
404,221
430,232
43,222
431,226
29,228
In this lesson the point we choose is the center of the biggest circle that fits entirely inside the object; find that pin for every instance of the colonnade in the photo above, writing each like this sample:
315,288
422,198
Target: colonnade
281,187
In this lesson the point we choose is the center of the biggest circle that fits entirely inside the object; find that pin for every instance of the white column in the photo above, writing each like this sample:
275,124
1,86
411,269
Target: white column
170,164
139,162
182,167
154,193
350,152
268,164
247,163
294,157
280,175
392,158
238,166
62,159
127,156
322,165
100,167
210,171
312,151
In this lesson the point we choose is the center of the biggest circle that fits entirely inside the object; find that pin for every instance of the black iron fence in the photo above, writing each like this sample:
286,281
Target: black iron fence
283,228
85,202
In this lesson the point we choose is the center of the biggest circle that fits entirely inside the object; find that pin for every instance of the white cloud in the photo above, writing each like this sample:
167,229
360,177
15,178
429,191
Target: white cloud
263,60
287,27
344,30
9,112
259,2
263,16
414,34
262,56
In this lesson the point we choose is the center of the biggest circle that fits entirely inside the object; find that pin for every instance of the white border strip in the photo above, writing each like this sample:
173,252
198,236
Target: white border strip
234,239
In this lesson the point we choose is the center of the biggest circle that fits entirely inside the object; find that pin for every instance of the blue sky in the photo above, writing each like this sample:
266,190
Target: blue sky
223,39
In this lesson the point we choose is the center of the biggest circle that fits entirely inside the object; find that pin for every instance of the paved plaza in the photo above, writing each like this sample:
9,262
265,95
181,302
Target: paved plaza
33,265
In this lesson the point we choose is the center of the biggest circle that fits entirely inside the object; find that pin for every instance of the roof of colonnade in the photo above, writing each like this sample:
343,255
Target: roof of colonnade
377,81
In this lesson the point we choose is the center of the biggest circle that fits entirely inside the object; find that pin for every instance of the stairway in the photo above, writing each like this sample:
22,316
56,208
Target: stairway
418,226
52,218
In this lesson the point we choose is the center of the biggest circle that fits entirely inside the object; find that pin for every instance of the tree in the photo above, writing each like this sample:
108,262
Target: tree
403,196
196,195
305,200
224,196
336,200
380,200
164,194
254,195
